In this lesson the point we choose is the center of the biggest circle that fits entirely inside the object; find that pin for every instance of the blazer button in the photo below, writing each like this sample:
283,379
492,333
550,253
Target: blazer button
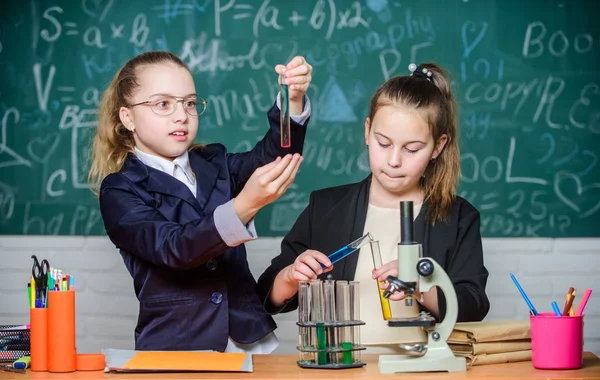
212,264
216,298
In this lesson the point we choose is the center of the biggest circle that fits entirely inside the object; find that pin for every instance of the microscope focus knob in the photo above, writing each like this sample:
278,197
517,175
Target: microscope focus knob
425,267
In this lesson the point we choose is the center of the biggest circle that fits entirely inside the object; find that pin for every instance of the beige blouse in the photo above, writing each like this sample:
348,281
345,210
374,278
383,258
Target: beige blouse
384,225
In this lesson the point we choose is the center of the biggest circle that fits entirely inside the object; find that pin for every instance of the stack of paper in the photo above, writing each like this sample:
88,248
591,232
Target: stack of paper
176,361
491,342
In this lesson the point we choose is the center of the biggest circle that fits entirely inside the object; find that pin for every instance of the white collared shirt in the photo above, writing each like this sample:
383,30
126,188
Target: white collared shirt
180,165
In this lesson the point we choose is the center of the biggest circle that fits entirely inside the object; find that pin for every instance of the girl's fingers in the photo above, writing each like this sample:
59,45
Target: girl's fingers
286,185
398,296
280,69
297,61
275,171
289,174
298,80
265,168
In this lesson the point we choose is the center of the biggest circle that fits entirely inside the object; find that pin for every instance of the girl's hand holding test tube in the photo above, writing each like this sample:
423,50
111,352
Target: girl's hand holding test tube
306,267
297,76
266,184
381,274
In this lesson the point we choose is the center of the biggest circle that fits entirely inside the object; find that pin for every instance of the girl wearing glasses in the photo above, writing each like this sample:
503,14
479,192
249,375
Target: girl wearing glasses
179,212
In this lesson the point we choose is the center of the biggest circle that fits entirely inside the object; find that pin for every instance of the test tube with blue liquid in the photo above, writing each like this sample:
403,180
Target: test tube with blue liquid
349,249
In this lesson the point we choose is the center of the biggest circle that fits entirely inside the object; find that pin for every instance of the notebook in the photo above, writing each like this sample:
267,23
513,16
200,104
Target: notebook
176,361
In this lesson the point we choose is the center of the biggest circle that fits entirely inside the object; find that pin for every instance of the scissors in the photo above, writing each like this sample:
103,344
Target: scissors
10,368
39,271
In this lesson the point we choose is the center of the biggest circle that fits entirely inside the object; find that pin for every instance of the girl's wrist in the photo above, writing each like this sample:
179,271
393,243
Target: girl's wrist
297,106
242,210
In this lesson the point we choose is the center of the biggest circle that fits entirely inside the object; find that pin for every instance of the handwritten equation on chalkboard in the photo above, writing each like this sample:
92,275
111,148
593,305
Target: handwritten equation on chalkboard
528,94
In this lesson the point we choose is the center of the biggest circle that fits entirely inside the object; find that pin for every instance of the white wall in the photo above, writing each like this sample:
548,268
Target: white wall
107,308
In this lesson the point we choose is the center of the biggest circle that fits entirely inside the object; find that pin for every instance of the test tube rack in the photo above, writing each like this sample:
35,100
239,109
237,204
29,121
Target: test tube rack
329,324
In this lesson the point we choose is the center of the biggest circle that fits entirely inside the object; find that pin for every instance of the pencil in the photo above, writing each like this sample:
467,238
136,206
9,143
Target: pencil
583,302
556,309
571,310
569,302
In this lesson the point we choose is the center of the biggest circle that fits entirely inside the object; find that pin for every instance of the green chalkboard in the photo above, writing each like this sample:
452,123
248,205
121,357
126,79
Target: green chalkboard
526,75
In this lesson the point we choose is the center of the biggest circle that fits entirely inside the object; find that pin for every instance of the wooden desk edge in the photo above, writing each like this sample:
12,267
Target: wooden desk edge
285,367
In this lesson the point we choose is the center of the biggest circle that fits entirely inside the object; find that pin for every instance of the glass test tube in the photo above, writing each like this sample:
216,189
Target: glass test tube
386,311
303,317
330,317
317,316
355,315
284,119
343,313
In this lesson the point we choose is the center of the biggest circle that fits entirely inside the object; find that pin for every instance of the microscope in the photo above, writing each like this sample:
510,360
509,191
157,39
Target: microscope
422,273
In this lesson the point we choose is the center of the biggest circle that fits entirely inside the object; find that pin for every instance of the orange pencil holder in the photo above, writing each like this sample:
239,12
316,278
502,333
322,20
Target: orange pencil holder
38,321
62,353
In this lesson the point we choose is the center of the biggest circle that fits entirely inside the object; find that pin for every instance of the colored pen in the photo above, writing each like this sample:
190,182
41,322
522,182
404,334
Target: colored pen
569,302
22,363
583,302
33,292
524,295
29,294
571,310
556,309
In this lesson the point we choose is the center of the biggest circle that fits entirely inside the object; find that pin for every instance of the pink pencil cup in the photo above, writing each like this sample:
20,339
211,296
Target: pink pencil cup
556,342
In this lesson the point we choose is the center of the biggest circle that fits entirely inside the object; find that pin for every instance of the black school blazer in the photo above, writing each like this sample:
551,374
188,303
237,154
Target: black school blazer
336,216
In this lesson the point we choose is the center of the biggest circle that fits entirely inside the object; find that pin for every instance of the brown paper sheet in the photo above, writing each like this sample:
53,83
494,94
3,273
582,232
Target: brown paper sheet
506,357
489,331
490,347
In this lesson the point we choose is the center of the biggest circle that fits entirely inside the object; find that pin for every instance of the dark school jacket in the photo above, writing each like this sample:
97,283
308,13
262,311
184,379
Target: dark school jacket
194,290
336,216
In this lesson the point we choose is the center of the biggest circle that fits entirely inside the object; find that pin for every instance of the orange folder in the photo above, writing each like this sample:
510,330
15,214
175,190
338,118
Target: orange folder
207,361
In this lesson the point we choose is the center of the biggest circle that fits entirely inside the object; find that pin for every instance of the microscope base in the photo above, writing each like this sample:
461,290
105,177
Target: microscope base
430,362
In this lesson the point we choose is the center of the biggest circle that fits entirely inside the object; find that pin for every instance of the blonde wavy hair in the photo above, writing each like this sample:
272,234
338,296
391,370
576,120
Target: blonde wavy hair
433,100
113,142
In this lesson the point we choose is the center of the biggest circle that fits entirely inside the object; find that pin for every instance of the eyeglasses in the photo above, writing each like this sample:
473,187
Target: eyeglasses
165,105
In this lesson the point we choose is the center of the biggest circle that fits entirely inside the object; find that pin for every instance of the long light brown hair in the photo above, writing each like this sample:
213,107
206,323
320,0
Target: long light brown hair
435,102
113,142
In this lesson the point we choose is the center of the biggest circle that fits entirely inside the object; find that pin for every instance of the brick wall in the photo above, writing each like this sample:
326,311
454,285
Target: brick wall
107,309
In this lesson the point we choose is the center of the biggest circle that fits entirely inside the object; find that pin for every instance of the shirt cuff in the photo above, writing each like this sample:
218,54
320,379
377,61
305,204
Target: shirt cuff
300,119
229,226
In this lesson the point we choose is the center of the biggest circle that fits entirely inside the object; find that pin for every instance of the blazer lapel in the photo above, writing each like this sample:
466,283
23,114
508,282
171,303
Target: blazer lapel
158,182
206,176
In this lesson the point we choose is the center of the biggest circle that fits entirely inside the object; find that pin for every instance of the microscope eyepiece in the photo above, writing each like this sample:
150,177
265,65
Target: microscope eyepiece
406,222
